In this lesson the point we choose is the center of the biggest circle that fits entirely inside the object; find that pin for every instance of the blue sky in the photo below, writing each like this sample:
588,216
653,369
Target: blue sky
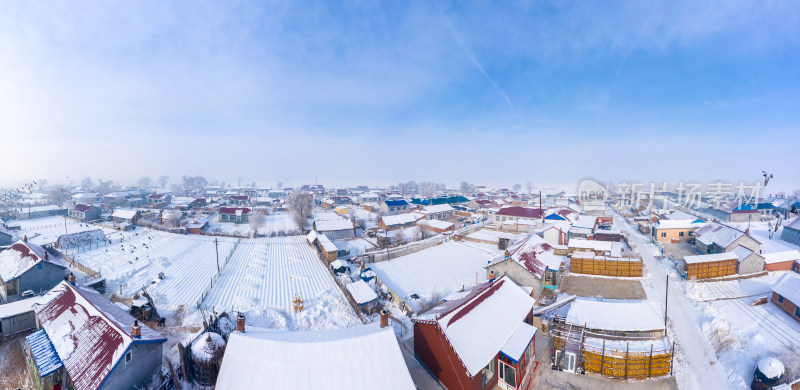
368,92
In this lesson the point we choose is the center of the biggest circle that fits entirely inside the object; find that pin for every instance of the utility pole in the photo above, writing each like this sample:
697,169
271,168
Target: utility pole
666,303
216,247
65,226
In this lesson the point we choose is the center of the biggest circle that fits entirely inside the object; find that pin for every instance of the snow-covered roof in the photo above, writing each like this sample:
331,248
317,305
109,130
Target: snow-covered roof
719,234
326,243
616,315
678,224
360,357
361,292
333,224
479,325
681,215
780,257
18,307
710,258
435,223
534,254
586,222
20,257
399,219
124,213
519,341
742,252
603,246
89,333
795,224
439,208
788,286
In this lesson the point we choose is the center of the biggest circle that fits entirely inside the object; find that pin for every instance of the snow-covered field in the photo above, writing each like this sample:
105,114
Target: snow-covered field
741,333
277,224
46,230
187,261
265,275
442,269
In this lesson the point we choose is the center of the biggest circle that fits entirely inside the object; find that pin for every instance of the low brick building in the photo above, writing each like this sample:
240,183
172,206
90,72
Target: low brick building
786,294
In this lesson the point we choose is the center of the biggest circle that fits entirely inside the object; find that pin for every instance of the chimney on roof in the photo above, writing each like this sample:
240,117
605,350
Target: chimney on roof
25,238
491,276
136,330
46,255
384,318
71,278
506,254
240,322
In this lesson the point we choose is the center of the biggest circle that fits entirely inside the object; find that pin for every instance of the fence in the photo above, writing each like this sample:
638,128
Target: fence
619,267
74,263
98,244
626,364
416,246
215,277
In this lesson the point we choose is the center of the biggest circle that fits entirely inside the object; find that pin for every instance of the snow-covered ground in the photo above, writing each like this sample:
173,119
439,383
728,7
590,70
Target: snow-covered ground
272,224
741,333
265,275
46,230
187,261
442,269
696,363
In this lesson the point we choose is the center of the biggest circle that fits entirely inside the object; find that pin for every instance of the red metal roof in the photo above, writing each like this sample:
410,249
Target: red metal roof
232,210
521,212
80,207
32,251
90,334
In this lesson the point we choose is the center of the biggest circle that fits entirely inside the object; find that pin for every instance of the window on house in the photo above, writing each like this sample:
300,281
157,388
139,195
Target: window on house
680,234
38,266
128,357
663,234
797,311
780,298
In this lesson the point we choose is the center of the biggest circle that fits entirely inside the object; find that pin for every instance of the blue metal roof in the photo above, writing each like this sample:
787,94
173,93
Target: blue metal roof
44,353
396,203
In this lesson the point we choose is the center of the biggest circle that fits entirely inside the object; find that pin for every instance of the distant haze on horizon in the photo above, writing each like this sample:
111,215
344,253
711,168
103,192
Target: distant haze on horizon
376,94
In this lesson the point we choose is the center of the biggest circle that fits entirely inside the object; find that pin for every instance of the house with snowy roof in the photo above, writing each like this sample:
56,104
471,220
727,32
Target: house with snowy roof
781,261
239,200
480,340
27,267
84,212
336,228
562,214
786,294
676,230
720,238
556,233
517,213
530,262
159,199
437,226
397,221
234,214
791,232
6,237
17,317
360,357
592,333
86,342
583,227
438,212
128,216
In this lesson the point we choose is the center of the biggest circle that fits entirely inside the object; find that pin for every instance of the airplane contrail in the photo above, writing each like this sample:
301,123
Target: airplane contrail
468,51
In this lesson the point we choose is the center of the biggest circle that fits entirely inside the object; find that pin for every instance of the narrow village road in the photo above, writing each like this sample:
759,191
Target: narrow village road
703,371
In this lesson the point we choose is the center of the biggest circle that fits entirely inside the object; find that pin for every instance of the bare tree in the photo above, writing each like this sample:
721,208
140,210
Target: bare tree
517,187
280,185
58,194
87,184
239,181
144,182
300,204
105,186
529,187
256,220
162,181
465,187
